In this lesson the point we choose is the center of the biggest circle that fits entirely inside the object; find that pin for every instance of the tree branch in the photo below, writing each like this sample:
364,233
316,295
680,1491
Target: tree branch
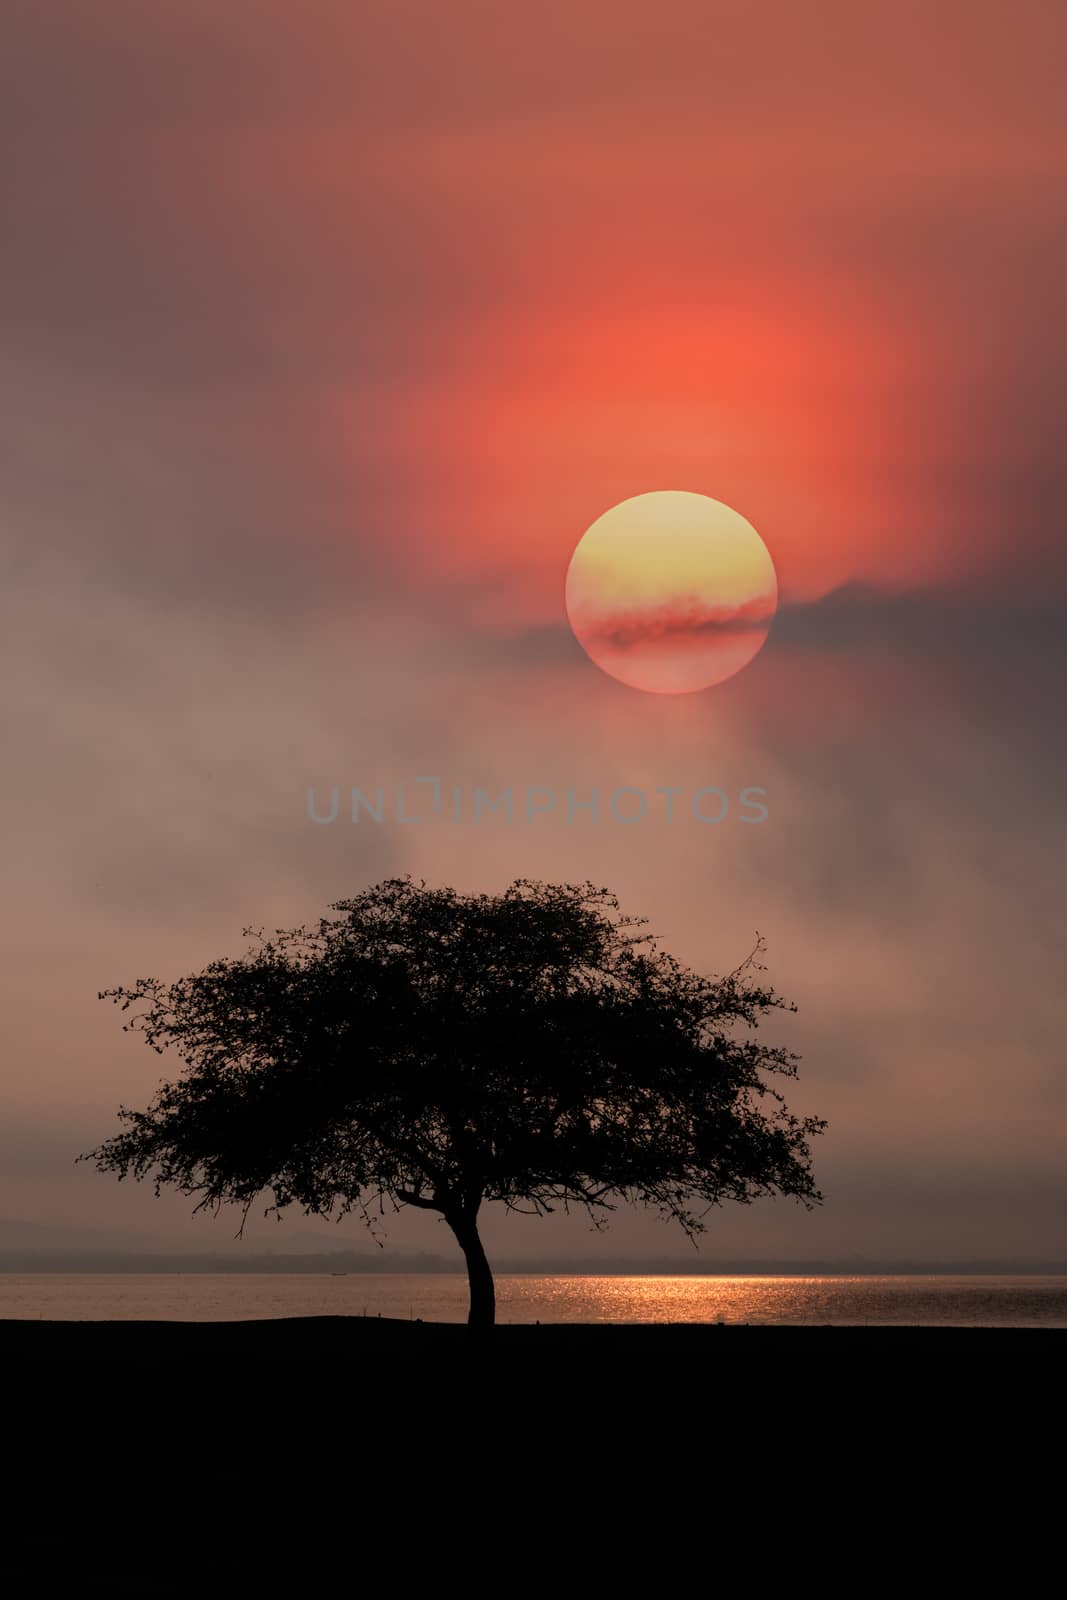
409,1198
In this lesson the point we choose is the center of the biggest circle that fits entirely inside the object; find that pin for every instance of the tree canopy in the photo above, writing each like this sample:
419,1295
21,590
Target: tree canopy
422,1047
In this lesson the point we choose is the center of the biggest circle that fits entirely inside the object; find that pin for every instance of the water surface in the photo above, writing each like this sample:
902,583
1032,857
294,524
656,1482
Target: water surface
913,1300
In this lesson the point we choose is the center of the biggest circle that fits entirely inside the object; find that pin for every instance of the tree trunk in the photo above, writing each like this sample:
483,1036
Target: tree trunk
479,1273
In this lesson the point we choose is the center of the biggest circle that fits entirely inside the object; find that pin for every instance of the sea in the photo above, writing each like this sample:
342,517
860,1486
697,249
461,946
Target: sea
917,1300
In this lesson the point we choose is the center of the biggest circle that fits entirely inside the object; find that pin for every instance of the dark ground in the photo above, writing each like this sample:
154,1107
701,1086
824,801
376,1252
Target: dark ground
326,1456
298,1338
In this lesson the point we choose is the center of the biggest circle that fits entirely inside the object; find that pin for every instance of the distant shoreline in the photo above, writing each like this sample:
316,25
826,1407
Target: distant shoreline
343,1264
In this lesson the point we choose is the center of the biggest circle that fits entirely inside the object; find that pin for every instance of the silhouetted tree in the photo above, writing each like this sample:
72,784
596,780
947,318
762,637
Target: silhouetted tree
431,1049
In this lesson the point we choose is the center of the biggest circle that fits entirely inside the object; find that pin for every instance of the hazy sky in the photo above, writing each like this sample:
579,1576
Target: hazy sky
328,329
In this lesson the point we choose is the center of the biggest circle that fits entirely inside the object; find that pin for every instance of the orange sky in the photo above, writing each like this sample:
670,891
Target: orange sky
328,330
779,395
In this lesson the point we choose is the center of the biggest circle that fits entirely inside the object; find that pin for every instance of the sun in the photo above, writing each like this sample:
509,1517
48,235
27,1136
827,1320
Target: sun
671,592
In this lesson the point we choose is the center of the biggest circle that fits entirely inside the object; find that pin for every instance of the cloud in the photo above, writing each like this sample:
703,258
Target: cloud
675,622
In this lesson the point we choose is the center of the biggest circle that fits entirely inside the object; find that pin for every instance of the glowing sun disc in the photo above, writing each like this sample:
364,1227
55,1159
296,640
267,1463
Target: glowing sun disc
671,592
